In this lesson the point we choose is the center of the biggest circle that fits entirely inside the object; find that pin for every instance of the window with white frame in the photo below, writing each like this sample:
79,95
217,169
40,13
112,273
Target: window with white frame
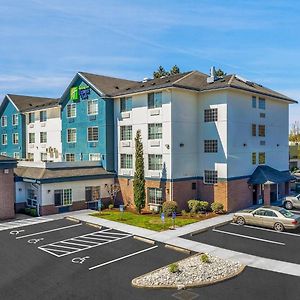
253,102
92,107
30,156
125,104
154,131
92,193
70,157
31,117
4,139
94,156
43,116
63,197
15,138
126,133
210,177
155,196
67,197
93,134
16,155
3,121
210,146
211,115
126,161
31,137
261,103
43,156
43,137
31,198
71,135
155,100
155,162
15,119
71,110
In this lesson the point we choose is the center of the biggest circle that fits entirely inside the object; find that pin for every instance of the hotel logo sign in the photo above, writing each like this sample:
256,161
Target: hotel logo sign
79,92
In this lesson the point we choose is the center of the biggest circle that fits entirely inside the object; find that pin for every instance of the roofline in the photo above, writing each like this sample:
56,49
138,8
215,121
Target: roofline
92,85
41,108
12,102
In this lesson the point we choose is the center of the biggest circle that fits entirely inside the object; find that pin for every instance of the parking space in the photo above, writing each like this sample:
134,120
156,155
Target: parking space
263,242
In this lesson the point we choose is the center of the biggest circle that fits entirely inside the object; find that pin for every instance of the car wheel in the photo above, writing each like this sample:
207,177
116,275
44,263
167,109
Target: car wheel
278,227
240,221
288,205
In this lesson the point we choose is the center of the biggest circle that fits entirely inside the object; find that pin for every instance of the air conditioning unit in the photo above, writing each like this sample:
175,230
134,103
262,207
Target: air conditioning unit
125,144
43,124
154,143
125,115
154,112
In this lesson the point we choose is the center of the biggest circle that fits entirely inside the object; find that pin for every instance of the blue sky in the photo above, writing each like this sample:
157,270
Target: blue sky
44,43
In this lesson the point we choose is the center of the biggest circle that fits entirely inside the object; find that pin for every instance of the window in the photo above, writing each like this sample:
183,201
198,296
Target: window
154,100
16,155
269,213
92,193
92,107
126,161
261,158
210,146
253,158
3,153
63,197
194,185
15,138
43,116
93,134
15,119
31,137
43,156
261,103
210,177
4,139
4,121
126,104
154,131
31,198
70,157
155,162
43,137
30,156
31,117
253,129
71,110
253,102
211,115
126,133
155,196
260,212
94,156
261,130
71,135
262,115
262,143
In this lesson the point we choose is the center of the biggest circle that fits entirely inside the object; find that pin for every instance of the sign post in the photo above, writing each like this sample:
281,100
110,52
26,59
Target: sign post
122,211
162,216
173,218
99,205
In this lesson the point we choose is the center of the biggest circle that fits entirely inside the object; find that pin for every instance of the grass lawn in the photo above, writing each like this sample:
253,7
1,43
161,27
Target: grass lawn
149,221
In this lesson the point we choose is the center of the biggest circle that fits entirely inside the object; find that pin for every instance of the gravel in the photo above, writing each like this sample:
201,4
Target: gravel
192,272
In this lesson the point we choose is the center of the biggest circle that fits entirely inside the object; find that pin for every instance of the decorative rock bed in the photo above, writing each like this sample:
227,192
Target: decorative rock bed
192,272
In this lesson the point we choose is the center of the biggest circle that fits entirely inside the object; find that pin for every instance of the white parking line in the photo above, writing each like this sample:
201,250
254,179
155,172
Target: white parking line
22,223
121,258
46,231
249,237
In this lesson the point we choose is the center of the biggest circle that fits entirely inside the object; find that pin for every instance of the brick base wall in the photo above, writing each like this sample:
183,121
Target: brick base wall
7,195
19,207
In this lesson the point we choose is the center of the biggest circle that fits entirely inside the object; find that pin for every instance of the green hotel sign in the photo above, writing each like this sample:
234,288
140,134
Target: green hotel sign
79,92
74,93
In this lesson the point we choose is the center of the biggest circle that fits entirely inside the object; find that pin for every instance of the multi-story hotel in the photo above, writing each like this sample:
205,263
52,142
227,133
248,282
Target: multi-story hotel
222,139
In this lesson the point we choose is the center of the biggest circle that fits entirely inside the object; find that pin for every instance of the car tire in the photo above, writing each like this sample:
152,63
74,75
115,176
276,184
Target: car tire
278,227
288,205
240,221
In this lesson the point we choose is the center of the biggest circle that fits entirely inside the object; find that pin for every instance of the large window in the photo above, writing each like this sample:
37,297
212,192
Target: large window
155,196
15,138
43,137
253,158
261,158
253,128
30,156
253,102
94,156
16,155
92,193
126,133
93,134
31,198
154,131
43,156
210,146
71,110
261,103
31,137
210,177
154,100
4,139
261,130
31,117
3,121
155,162
211,115
126,161
70,157
71,135
43,116
63,197
126,104
92,107
15,119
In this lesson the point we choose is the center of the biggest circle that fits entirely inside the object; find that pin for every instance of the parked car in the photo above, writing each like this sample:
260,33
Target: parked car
292,201
274,217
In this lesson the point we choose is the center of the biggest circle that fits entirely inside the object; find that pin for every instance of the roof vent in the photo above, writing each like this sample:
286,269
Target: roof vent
146,79
212,76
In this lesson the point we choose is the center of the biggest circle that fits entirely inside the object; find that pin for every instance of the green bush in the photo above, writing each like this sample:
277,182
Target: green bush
169,207
184,213
204,258
110,206
217,207
27,211
173,268
203,205
197,205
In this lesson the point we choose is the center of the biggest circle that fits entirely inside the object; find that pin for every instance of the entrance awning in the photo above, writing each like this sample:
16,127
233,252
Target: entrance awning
268,175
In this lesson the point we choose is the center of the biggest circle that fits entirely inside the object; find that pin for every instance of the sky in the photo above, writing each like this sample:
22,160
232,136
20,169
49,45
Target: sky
45,42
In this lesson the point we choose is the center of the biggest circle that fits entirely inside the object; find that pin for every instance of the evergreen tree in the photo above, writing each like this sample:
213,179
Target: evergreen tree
160,72
220,73
175,70
139,174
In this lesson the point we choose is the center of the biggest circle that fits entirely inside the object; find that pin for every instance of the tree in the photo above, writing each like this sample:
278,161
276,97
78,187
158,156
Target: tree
175,70
112,191
139,174
294,135
161,71
220,73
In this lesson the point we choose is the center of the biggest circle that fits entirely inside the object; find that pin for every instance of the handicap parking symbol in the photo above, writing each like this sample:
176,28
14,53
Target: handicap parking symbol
35,241
16,232
79,260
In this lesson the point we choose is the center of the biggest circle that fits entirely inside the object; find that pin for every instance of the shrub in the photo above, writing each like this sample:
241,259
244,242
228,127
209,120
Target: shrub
173,268
27,211
193,205
169,207
33,212
204,258
203,205
110,206
184,213
217,207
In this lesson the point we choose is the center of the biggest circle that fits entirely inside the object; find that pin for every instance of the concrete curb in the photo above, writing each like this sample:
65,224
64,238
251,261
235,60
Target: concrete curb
93,225
179,249
72,219
142,239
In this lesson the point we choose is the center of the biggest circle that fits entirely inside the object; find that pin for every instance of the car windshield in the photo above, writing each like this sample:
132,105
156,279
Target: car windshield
286,213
